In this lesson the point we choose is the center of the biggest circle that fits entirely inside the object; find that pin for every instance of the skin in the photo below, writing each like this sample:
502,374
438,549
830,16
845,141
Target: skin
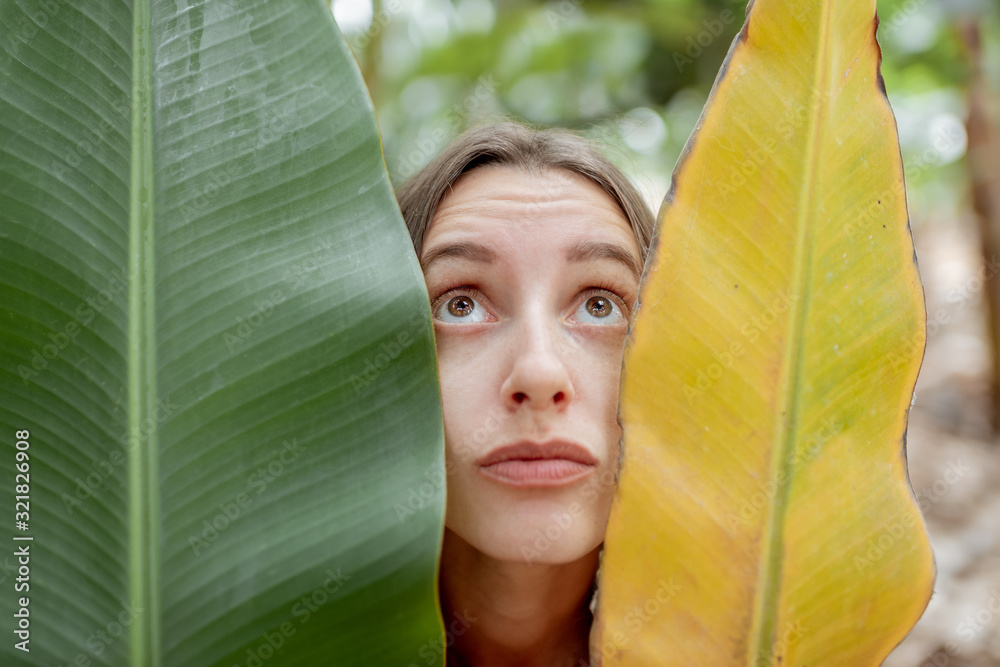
525,352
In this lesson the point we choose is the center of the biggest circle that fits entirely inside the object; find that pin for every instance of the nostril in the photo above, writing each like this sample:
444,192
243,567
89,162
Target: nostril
519,397
559,397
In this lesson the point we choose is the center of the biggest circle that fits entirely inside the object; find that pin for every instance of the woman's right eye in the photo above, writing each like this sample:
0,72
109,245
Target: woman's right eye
461,309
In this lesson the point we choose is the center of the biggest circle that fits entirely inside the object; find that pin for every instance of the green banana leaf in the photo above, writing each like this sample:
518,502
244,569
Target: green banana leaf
215,344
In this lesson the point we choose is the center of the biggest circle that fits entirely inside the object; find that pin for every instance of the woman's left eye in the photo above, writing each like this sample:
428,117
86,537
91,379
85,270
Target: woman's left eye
599,309
460,308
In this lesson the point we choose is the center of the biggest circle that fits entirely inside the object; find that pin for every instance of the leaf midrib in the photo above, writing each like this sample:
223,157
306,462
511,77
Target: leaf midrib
143,505
791,381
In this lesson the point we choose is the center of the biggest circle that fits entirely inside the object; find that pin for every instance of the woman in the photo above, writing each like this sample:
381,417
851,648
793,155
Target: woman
532,246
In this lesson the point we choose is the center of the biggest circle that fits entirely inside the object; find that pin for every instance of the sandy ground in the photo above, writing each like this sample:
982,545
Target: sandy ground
954,462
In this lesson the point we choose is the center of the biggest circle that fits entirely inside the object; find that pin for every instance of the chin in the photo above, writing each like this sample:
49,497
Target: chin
542,551
551,537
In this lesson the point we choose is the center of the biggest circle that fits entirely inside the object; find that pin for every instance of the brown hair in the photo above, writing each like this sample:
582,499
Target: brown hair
514,145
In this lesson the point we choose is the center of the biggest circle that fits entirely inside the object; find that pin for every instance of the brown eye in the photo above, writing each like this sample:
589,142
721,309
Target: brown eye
599,306
460,306
599,309
461,309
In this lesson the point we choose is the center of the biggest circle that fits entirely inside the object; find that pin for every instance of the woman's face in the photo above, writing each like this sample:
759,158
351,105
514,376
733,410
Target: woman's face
531,280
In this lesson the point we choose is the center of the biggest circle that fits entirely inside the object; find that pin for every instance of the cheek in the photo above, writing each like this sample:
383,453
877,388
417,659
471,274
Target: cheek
608,395
465,378
460,370
597,366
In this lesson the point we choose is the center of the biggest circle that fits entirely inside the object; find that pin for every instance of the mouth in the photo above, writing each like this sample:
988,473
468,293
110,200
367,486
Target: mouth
528,464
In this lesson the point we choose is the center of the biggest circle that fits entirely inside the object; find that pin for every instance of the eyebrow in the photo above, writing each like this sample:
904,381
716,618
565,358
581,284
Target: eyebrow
581,252
588,250
470,250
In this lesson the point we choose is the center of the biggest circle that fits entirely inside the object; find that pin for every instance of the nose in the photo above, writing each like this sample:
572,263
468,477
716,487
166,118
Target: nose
539,377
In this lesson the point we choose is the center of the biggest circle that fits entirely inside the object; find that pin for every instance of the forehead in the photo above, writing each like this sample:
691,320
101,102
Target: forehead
552,201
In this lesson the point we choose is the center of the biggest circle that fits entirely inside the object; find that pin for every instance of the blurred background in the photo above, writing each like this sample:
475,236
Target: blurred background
634,74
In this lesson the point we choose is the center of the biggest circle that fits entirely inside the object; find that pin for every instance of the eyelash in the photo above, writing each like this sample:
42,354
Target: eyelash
600,287
608,288
453,292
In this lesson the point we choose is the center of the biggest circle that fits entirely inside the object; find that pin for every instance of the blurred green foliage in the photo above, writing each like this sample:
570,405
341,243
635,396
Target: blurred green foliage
634,75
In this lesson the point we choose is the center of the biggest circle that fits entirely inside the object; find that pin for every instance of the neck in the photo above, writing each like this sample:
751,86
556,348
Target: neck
504,613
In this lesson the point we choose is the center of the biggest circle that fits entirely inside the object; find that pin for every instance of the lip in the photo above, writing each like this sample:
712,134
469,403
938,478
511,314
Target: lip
529,464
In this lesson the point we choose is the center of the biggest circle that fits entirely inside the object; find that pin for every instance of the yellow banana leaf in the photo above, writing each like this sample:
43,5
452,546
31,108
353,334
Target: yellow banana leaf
764,515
